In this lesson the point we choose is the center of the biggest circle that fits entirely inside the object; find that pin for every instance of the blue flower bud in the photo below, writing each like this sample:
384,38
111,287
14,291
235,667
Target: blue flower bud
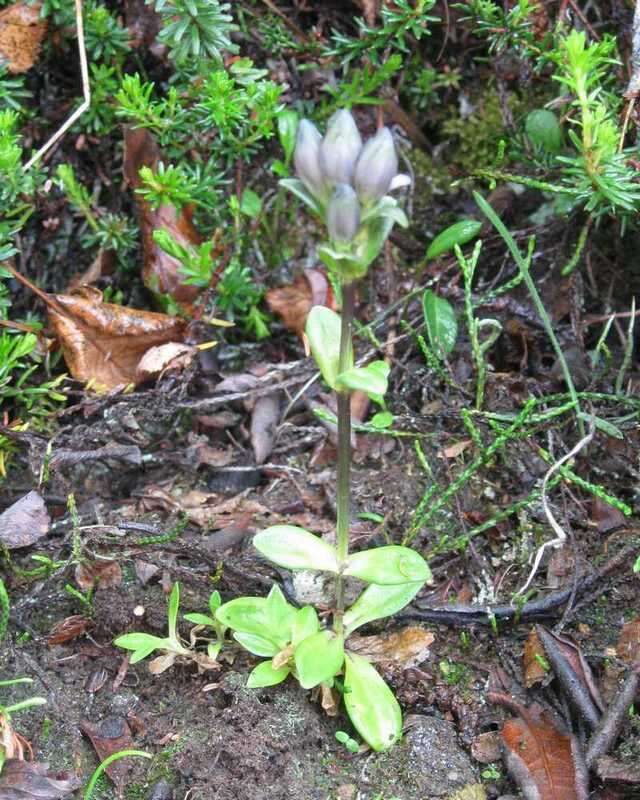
306,157
340,148
343,214
377,167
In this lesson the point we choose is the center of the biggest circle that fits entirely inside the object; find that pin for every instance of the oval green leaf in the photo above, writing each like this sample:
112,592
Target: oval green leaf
294,548
142,644
265,675
457,234
305,624
388,565
440,318
377,602
543,129
319,658
371,704
323,334
266,617
258,645
372,379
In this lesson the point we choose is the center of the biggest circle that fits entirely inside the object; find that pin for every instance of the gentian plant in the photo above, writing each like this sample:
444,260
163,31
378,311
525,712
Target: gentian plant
346,185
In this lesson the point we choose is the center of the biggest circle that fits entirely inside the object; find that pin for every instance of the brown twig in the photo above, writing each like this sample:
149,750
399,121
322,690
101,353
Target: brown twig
612,720
463,615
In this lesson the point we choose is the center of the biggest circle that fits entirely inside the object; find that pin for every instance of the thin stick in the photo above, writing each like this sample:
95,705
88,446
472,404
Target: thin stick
86,92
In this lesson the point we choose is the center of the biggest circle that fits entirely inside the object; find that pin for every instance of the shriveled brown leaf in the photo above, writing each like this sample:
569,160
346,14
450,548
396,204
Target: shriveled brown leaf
157,360
573,672
107,737
606,517
487,747
219,421
160,664
70,628
104,342
628,647
160,271
405,648
454,450
560,568
294,301
22,780
539,756
102,264
264,421
106,573
201,452
534,672
21,33
24,522
145,571
330,700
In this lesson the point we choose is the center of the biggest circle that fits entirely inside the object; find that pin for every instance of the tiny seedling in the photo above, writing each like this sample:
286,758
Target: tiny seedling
12,745
346,185
172,647
350,744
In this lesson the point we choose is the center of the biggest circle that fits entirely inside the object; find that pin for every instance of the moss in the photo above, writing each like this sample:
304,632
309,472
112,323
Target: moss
475,137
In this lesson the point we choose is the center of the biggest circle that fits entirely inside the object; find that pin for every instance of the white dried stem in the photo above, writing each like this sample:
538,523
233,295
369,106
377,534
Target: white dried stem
561,536
86,92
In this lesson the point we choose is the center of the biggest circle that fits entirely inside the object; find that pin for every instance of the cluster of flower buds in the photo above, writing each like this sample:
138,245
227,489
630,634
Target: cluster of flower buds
344,176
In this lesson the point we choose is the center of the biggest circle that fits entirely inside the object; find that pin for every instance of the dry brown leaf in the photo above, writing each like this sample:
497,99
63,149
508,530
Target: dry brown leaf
160,664
560,568
534,672
102,264
106,573
606,517
201,452
157,360
404,648
145,571
104,343
24,522
454,450
573,672
107,737
539,756
264,422
159,271
21,33
294,301
628,648
70,628
22,780
487,747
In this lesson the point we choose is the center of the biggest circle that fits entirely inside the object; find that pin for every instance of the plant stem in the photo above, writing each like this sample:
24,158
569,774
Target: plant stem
344,452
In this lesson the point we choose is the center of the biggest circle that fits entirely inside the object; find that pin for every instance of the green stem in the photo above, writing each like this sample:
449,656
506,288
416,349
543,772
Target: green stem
523,267
344,452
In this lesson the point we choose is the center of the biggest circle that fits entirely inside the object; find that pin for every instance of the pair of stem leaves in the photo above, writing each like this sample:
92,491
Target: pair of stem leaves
323,335
294,642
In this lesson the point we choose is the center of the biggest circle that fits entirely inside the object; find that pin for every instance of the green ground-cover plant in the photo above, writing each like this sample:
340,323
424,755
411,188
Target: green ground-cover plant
345,184
171,647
